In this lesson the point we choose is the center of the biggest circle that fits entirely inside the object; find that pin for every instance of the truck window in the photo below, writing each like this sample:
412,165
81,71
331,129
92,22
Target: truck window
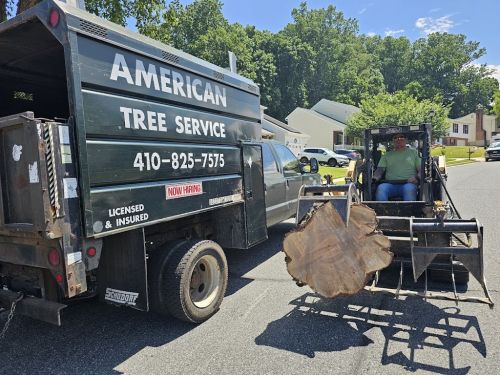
288,160
269,161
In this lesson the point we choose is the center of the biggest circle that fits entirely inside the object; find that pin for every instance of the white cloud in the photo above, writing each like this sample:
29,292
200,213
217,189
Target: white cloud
371,33
393,32
496,71
494,68
362,11
430,25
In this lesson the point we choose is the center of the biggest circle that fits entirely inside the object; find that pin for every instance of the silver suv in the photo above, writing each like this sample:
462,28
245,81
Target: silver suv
324,156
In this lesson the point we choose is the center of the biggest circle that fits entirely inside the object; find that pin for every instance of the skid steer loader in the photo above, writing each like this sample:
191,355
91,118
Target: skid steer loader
427,236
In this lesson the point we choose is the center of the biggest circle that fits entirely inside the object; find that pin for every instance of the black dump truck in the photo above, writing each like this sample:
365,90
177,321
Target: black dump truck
126,167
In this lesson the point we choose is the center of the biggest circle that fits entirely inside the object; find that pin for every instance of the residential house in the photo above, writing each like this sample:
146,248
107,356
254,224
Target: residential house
325,122
474,129
275,129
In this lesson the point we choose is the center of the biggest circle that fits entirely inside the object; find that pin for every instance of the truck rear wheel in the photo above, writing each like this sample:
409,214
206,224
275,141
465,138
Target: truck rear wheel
189,282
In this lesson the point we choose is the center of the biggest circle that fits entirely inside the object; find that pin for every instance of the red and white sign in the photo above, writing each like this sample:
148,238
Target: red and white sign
183,190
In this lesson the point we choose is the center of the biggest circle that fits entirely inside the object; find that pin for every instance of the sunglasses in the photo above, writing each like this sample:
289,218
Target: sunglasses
399,137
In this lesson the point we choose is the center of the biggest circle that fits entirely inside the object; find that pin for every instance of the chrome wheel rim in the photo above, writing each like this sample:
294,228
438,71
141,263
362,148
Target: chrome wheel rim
205,281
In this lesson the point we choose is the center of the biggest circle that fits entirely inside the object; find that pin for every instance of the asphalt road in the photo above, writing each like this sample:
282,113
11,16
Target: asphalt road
268,325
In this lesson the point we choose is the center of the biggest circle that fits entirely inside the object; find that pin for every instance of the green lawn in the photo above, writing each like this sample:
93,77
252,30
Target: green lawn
457,152
335,172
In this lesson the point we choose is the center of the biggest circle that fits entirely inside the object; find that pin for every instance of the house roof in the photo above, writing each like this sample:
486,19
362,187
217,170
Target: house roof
339,112
279,123
319,119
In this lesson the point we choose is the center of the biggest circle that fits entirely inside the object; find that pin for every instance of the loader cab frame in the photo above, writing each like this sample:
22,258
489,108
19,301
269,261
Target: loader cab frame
418,136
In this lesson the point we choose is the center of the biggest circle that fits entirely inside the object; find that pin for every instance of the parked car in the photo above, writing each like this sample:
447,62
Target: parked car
351,154
324,156
492,152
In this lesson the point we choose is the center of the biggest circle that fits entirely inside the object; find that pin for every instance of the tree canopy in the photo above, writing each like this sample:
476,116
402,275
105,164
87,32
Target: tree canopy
319,54
400,108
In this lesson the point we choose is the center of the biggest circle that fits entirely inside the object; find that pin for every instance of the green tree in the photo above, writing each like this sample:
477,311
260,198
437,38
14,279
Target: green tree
395,62
442,67
294,62
400,108
496,103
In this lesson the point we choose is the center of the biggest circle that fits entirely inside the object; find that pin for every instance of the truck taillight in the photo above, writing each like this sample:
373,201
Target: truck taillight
54,17
91,252
59,278
54,257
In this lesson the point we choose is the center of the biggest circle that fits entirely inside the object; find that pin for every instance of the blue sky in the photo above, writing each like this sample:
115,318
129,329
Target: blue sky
478,19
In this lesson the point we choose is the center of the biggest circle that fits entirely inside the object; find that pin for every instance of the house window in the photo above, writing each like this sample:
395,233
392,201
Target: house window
337,138
455,128
466,129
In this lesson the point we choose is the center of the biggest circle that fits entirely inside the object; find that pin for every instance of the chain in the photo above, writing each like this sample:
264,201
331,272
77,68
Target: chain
11,315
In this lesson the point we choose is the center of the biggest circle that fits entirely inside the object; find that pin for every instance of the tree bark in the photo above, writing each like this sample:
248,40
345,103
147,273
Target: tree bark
335,259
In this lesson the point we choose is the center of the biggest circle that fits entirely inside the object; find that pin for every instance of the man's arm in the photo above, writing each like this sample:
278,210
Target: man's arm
416,178
378,174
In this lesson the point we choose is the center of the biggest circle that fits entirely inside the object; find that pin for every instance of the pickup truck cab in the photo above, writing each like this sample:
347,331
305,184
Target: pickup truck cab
283,177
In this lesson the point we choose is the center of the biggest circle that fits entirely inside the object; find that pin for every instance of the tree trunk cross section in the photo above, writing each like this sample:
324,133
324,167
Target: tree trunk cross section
335,259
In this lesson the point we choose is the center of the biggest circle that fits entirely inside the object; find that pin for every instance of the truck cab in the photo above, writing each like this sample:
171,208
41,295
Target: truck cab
284,175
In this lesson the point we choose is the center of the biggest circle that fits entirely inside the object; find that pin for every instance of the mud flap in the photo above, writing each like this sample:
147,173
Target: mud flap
122,270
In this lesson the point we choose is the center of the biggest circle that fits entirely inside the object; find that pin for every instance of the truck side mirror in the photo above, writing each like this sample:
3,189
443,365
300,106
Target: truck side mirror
314,165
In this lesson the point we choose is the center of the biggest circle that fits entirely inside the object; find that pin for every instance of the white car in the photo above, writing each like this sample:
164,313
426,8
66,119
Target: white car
324,156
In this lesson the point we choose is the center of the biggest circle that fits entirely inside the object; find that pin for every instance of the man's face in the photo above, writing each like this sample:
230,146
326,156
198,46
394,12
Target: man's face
399,141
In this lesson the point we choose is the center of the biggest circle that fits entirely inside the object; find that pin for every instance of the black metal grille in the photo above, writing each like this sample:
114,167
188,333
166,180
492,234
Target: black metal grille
169,57
92,28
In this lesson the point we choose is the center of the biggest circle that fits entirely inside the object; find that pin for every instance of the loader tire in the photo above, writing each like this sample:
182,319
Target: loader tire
304,160
189,281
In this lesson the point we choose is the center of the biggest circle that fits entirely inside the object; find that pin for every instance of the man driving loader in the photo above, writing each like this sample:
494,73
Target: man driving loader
401,167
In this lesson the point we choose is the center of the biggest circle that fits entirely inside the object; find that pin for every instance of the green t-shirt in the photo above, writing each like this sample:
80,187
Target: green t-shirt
400,165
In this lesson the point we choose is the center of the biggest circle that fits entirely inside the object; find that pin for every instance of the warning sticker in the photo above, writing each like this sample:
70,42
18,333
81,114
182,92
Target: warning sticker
183,190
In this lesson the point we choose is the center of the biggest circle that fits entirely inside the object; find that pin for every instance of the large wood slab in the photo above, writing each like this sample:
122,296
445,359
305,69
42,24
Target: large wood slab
335,259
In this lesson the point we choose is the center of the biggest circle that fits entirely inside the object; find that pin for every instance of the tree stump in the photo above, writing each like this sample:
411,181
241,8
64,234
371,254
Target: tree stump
335,259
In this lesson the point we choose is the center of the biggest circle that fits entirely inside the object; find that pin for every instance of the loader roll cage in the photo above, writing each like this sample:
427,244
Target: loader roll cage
417,135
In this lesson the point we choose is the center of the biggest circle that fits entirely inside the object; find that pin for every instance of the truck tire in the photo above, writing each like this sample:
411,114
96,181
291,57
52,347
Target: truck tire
189,281
332,162
304,160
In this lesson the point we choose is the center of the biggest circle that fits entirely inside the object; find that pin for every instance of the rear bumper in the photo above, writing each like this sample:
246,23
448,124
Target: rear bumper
35,308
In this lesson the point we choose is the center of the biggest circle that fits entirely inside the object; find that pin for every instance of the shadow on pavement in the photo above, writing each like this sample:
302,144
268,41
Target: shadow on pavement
408,326
94,339
242,261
